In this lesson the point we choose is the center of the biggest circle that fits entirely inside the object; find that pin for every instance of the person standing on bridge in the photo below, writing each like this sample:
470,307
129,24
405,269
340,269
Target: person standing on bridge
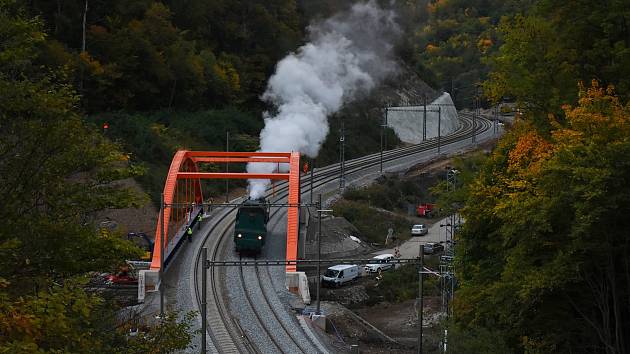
199,218
189,233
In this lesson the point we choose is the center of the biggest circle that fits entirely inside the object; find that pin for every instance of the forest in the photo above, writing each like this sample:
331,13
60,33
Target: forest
543,260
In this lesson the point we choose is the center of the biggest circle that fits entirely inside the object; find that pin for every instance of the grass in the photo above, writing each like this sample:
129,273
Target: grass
394,193
401,284
372,224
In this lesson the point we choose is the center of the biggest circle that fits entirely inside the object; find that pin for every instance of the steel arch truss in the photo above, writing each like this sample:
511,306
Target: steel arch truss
183,197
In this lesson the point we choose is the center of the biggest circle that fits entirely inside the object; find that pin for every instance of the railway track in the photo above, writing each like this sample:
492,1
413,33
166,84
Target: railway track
225,331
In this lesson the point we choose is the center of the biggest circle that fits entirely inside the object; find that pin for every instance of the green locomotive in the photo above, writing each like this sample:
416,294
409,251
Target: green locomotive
250,229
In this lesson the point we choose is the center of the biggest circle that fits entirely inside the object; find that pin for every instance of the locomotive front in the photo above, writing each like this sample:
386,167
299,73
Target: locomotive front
250,229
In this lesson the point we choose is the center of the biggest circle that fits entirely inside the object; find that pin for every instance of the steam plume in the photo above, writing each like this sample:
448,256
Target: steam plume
347,55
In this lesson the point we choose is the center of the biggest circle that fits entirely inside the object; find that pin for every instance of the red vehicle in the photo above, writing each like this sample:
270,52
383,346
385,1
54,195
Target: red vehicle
124,277
425,209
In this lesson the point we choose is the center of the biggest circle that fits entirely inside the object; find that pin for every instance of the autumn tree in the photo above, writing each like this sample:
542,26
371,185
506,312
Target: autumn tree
453,39
543,258
57,171
548,50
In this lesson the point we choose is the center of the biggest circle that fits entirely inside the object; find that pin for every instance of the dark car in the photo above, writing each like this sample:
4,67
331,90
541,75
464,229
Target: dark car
433,248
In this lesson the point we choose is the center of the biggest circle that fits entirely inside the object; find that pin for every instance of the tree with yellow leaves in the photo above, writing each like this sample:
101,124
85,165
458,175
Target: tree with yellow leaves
545,254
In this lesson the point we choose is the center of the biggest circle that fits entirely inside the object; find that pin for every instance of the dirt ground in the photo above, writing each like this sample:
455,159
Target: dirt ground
385,327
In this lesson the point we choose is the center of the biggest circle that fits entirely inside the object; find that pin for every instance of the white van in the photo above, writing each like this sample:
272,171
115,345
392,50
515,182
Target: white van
379,263
339,274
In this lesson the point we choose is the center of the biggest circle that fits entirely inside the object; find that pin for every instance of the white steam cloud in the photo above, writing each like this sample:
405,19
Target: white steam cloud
347,55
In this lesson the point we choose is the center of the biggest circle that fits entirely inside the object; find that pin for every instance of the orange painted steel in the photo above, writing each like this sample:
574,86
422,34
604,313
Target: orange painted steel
180,161
212,154
241,159
293,212
231,175
184,172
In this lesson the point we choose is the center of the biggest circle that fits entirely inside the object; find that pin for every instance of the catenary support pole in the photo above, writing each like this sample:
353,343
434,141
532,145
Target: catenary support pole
421,305
424,119
162,256
382,132
494,120
439,137
204,284
386,124
227,167
342,157
319,250
474,129
312,178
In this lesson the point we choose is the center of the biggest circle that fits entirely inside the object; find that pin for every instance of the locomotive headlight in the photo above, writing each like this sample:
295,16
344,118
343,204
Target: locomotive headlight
260,237
239,235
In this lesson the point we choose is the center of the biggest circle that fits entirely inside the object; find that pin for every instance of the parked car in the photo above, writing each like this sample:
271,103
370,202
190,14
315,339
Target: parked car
433,248
419,230
340,274
380,263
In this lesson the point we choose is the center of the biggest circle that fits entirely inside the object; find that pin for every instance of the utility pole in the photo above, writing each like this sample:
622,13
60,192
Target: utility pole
424,120
342,156
421,305
162,257
227,167
439,128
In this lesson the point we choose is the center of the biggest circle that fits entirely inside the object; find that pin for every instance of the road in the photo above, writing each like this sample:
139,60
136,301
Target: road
411,247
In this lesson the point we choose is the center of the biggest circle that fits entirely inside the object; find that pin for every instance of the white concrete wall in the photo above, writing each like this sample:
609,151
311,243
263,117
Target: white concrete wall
407,121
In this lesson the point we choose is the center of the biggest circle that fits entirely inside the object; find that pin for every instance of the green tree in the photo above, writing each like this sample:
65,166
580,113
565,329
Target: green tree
548,51
533,67
66,319
452,40
56,171
543,255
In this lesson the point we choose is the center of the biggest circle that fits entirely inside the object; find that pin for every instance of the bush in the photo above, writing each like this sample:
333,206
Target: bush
402,284
393,193
372,224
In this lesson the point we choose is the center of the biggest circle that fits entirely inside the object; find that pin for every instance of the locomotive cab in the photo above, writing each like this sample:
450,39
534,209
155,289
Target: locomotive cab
250,229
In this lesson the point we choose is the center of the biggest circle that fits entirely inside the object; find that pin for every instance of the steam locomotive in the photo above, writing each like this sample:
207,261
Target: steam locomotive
250,230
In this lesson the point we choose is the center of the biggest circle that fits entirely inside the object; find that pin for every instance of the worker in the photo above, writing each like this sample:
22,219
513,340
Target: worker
199,218
189,233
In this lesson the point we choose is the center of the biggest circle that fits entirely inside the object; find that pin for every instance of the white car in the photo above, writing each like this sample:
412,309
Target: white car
340,274
380,263
419,230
